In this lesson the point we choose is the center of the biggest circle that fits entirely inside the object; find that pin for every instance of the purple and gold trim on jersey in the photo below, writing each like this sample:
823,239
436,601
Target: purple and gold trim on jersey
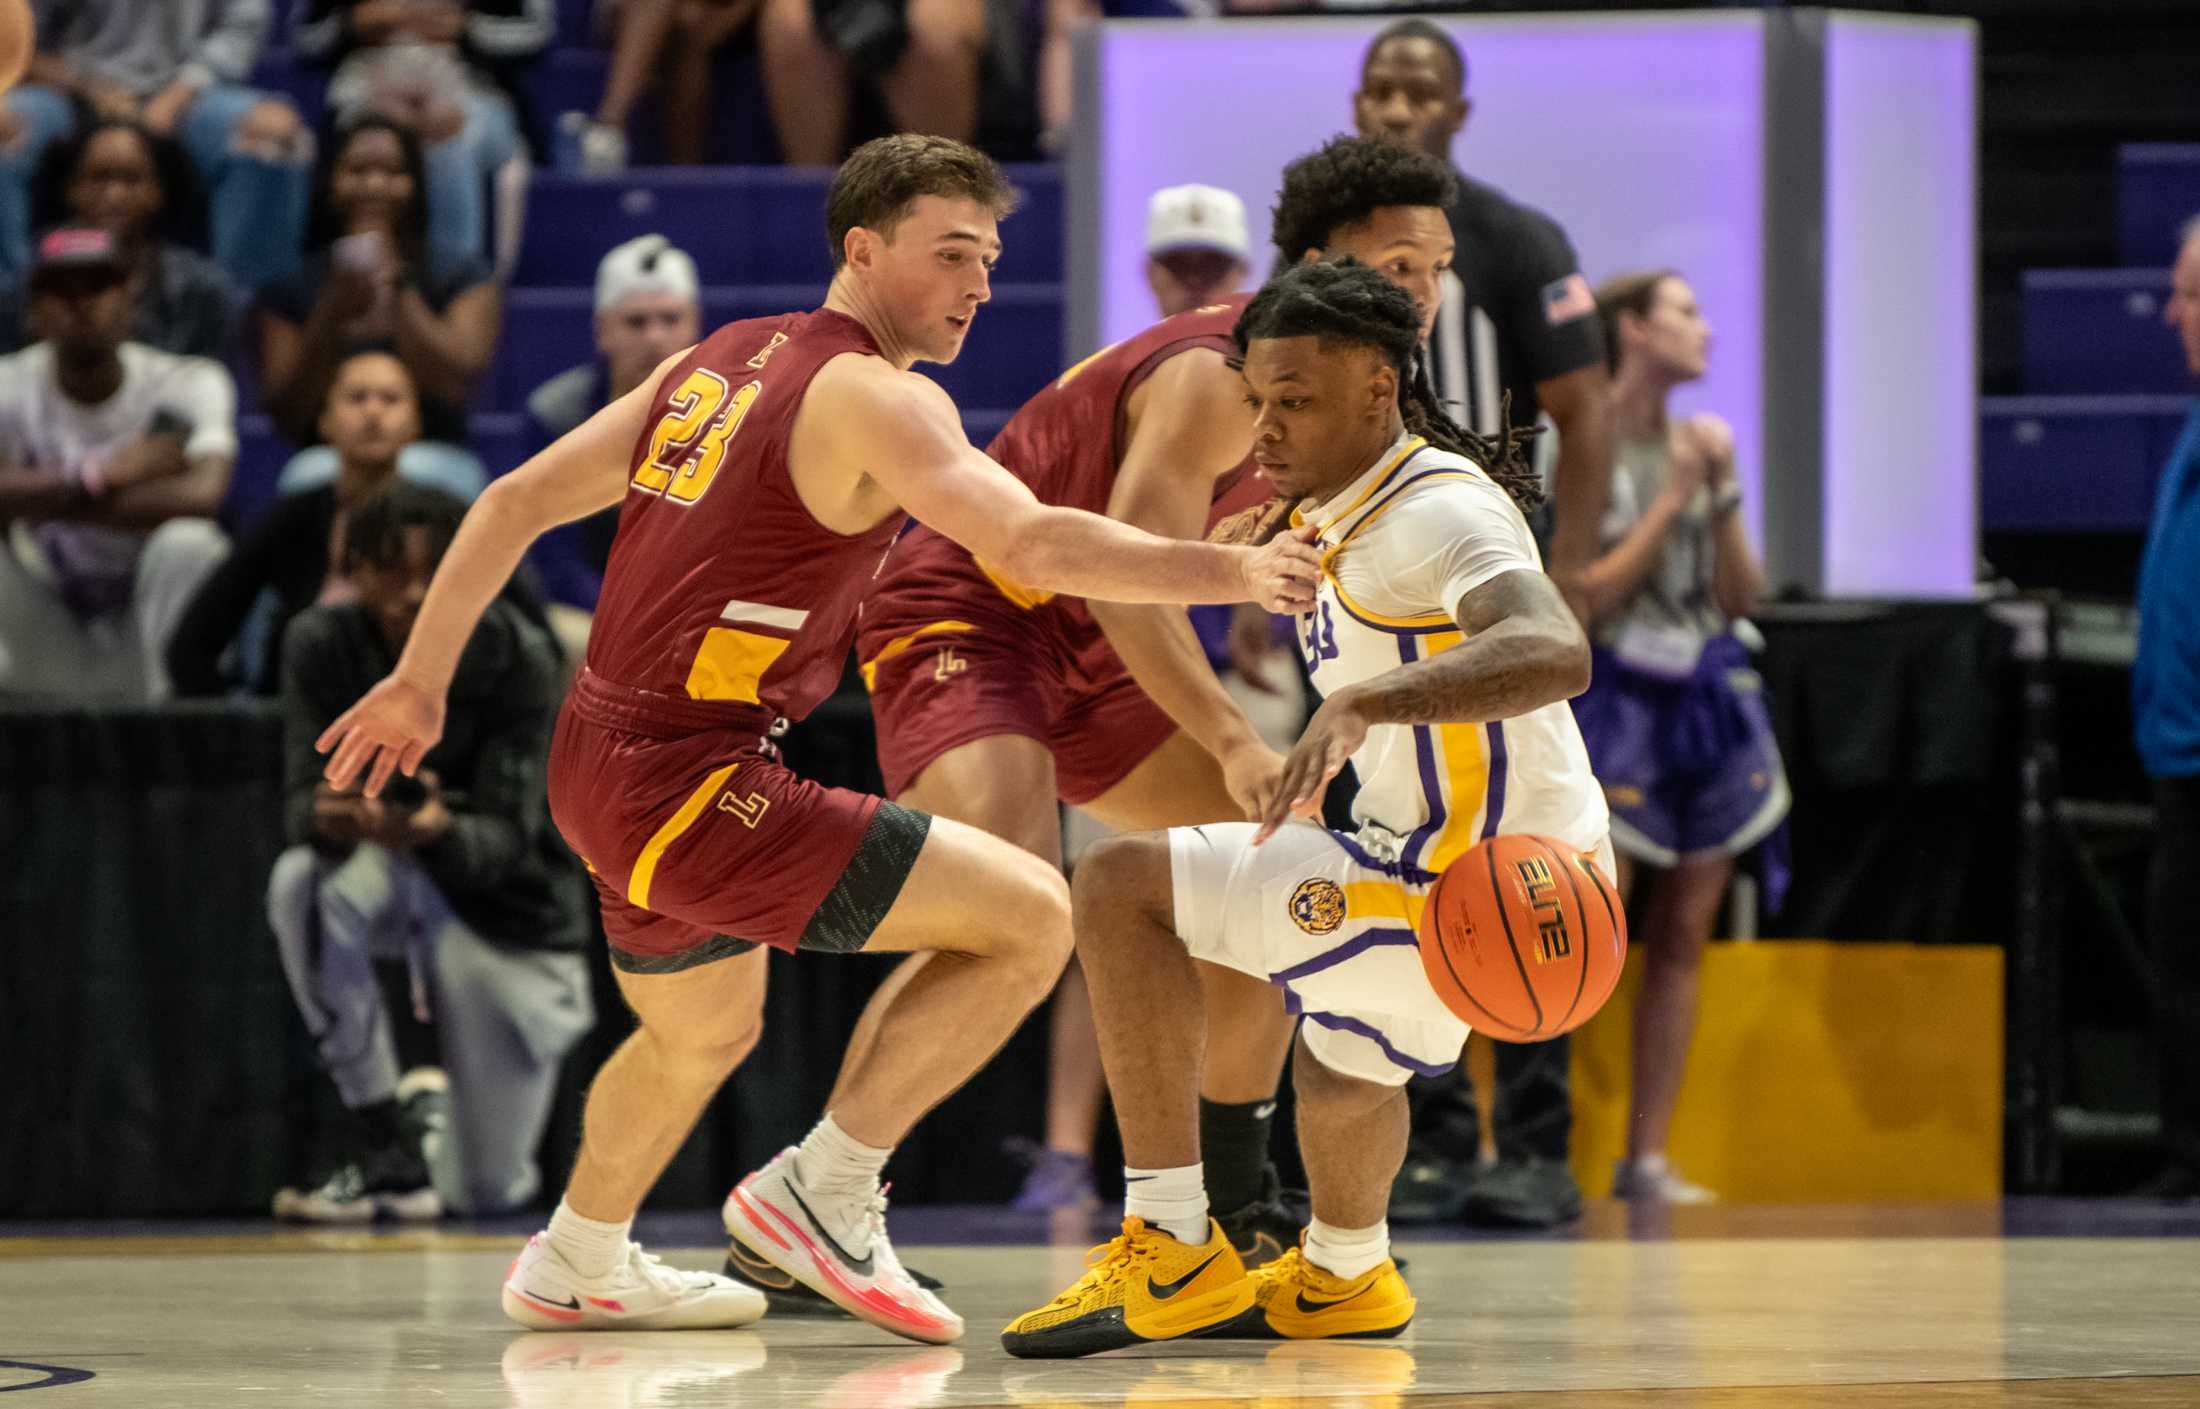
1397,625
1413,446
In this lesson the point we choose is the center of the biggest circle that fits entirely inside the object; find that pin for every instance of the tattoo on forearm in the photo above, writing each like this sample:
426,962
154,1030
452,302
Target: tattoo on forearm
1524,650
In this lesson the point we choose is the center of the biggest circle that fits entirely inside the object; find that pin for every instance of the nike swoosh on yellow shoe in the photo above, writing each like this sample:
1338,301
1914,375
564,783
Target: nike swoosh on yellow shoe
1315,1308
1162,1291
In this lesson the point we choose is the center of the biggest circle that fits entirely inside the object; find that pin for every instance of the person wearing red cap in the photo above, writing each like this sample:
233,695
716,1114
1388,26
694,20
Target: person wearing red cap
114,458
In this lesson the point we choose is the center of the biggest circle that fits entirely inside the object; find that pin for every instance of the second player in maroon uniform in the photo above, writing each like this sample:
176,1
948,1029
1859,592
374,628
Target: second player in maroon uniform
761,476
993,700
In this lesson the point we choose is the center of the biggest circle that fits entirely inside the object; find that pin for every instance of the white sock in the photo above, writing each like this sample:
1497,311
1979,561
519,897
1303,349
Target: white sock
1173,1200
589,1247
1347,1252
831,1161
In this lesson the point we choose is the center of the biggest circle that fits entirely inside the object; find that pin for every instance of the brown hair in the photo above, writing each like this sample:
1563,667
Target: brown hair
1627,293
880,179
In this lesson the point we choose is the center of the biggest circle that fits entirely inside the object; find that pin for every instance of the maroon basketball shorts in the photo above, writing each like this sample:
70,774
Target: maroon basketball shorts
951,656
702,845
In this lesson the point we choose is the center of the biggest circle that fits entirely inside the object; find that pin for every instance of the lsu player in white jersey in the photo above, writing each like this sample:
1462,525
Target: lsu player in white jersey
1445,657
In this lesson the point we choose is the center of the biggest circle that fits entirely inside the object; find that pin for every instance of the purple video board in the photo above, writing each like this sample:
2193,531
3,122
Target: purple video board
1647,136
1641,135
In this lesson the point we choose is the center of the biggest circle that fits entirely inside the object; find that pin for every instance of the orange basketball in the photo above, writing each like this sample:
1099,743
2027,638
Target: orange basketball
16,40
1523,938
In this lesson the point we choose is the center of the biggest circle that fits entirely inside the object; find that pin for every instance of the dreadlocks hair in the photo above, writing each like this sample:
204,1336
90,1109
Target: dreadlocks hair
1343,300
1345,182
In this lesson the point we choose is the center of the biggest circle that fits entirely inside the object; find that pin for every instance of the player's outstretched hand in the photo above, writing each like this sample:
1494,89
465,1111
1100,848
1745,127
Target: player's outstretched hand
1332,736
393,726
1281,573
1251,772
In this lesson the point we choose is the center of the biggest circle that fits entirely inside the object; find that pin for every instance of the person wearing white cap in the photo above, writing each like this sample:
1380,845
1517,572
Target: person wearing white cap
1195,246
648,306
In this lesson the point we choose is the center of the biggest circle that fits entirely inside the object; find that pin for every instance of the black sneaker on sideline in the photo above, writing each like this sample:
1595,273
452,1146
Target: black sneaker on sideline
1431,1189
1523,1193
783,1295
388,1182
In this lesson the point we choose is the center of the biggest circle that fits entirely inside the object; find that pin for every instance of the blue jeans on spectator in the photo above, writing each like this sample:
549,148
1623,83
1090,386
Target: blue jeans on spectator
437,464
461,173
256,217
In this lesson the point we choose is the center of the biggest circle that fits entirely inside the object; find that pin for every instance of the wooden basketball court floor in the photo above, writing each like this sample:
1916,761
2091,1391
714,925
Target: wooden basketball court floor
2007,1304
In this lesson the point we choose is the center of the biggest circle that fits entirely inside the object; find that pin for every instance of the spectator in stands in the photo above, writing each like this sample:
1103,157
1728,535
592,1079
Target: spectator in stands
114,458
1061,21
2165,692
114,175
922,54
1195,247
370,416
456,872
648,306
444,70
1674,717
677,40
180,72
1515,291
372,279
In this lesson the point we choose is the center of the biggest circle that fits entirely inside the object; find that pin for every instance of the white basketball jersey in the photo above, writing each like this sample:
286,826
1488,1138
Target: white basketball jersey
1402,545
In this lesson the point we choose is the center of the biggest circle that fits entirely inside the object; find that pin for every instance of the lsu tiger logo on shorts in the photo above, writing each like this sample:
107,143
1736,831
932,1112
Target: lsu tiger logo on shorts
1317,906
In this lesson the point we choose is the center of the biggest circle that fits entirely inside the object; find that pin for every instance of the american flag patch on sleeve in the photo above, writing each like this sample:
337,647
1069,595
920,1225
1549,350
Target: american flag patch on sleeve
1567,300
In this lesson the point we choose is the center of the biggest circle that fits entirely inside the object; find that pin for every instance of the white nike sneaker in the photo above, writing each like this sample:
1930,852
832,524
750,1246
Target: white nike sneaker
838,1248
543,1293
1655,1181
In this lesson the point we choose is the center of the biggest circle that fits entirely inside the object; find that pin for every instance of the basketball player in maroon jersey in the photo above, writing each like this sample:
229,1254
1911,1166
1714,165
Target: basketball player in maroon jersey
993,700
762,475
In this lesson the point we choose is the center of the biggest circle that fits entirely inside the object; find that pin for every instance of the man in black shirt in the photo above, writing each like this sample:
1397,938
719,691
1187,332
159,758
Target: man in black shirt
459,876
371,414
1518,322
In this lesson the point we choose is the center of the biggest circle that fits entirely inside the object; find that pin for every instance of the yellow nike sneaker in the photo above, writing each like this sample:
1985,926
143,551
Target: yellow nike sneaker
1144,1286
1295,1300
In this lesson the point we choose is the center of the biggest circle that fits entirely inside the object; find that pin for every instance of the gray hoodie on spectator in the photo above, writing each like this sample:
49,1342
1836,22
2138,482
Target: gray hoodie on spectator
144,45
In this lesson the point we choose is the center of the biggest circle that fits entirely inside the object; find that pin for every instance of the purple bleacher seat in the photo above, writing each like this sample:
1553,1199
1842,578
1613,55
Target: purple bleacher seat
2157,191
576,23
2099,331
744,225
261,455
2072,463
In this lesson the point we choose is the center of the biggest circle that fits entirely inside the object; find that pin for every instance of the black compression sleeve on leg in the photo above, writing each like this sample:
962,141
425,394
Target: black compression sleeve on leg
1233,1144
